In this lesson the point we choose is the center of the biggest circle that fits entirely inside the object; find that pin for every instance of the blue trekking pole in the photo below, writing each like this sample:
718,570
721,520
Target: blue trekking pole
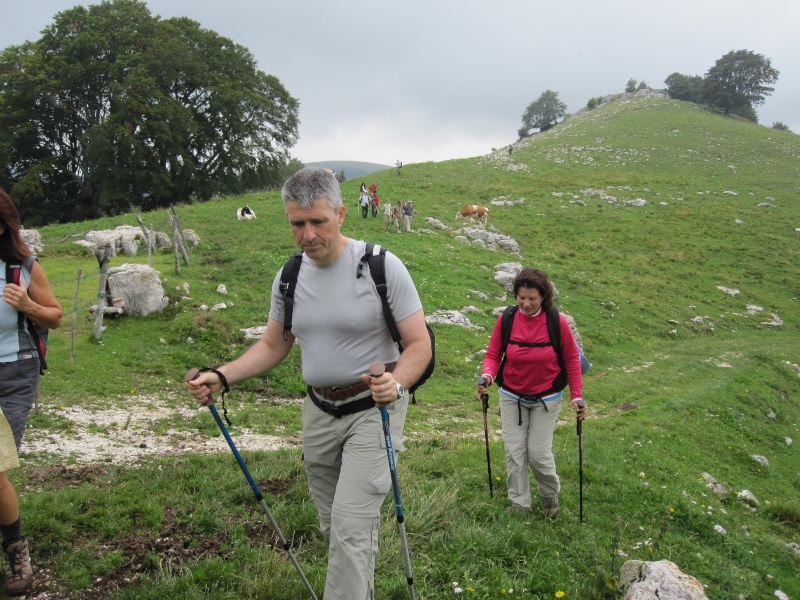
376,370
259,496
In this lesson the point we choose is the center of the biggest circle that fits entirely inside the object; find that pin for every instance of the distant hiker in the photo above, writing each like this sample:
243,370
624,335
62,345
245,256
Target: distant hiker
529,373
361,191
397,215
362,196
345,461
365,202
376,204
387,213
408,212
27,301
373,189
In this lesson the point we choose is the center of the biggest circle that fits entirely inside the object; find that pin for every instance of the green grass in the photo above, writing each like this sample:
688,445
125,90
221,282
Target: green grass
671,397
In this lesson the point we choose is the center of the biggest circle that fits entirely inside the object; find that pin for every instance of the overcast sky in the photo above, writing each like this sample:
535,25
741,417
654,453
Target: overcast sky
431,80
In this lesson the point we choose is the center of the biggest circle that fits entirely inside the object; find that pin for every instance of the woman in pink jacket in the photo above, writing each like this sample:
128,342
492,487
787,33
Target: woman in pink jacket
529,401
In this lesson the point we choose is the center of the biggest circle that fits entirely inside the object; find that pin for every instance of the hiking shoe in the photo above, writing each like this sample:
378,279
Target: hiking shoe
515,508
550,506
19,574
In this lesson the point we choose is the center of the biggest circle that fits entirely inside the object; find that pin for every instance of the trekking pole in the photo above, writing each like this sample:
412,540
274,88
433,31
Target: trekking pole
192,374
581,404
485,402
376,370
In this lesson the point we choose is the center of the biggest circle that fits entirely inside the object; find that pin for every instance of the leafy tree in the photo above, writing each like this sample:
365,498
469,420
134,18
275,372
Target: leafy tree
543,113
739,81
685,87
642,86
780,126
114,109
341,177
630,87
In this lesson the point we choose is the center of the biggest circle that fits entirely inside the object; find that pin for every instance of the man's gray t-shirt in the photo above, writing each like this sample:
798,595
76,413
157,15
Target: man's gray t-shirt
338,318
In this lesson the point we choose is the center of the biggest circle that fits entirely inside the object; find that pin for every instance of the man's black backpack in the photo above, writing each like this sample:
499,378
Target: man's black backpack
553,329
38,334
374,257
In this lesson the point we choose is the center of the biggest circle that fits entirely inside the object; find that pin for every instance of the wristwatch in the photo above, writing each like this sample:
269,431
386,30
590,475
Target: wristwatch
401,391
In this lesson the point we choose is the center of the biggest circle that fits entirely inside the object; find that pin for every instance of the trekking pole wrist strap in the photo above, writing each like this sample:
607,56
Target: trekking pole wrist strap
225,389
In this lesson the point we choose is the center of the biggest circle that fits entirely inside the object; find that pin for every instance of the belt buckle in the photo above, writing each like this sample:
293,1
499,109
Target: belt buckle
330,409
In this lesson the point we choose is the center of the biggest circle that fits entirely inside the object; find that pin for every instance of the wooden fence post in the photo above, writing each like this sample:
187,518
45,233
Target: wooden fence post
148,240
175,243
74,317
182,239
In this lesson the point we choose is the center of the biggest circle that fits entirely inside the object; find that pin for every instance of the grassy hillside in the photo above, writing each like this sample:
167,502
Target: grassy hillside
688,379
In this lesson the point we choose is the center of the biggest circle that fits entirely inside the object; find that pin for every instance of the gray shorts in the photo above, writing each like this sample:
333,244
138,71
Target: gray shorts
18,384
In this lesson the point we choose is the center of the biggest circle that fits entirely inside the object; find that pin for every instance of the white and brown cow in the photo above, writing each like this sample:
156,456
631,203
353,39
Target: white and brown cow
471,211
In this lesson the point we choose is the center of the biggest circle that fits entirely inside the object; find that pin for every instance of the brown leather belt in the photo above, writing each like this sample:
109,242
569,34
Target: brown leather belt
348,391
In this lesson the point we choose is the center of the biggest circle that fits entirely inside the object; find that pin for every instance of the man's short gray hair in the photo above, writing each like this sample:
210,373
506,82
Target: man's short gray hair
311,184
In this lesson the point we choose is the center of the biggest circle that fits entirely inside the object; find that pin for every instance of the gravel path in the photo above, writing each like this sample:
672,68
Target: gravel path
124,436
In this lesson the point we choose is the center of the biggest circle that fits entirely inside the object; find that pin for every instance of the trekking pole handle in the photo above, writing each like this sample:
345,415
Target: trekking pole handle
484,397
191,375
581,404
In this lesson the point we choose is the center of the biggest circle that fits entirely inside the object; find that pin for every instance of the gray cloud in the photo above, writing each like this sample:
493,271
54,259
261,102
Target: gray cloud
420,80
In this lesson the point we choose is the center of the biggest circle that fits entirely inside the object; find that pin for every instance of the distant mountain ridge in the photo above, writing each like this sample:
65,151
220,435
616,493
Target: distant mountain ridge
353,169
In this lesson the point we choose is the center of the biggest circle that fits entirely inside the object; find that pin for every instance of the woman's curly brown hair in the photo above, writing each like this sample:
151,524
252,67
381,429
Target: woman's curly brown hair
529,277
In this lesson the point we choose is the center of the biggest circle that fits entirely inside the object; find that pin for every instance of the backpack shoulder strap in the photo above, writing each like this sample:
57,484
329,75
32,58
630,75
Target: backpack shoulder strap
288,283
554,330
506,322
375,258
14,275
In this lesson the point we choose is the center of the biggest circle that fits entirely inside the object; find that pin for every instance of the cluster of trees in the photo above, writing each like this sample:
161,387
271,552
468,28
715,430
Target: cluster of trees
114,109
736,84
633,85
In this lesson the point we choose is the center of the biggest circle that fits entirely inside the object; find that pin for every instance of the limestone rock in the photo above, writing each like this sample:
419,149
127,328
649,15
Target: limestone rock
139,286
661,580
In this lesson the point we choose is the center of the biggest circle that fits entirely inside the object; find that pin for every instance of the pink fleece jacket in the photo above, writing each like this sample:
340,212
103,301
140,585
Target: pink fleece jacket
533,370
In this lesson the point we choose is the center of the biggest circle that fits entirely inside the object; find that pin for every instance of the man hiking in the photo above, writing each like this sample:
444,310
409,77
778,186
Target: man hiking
338,322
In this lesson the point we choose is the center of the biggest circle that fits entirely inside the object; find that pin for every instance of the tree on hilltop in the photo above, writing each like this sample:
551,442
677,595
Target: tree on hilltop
630,87
113,109
543,113
685,87
739,81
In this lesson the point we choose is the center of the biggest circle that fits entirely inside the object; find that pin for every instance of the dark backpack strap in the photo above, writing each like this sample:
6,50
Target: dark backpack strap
13,275
288,283
554,329
506,322
375,257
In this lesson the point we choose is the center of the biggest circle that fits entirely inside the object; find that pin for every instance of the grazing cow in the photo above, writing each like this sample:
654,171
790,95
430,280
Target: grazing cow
473,210
245,213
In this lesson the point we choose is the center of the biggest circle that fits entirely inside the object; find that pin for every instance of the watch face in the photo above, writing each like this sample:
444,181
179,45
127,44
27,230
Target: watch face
400,390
